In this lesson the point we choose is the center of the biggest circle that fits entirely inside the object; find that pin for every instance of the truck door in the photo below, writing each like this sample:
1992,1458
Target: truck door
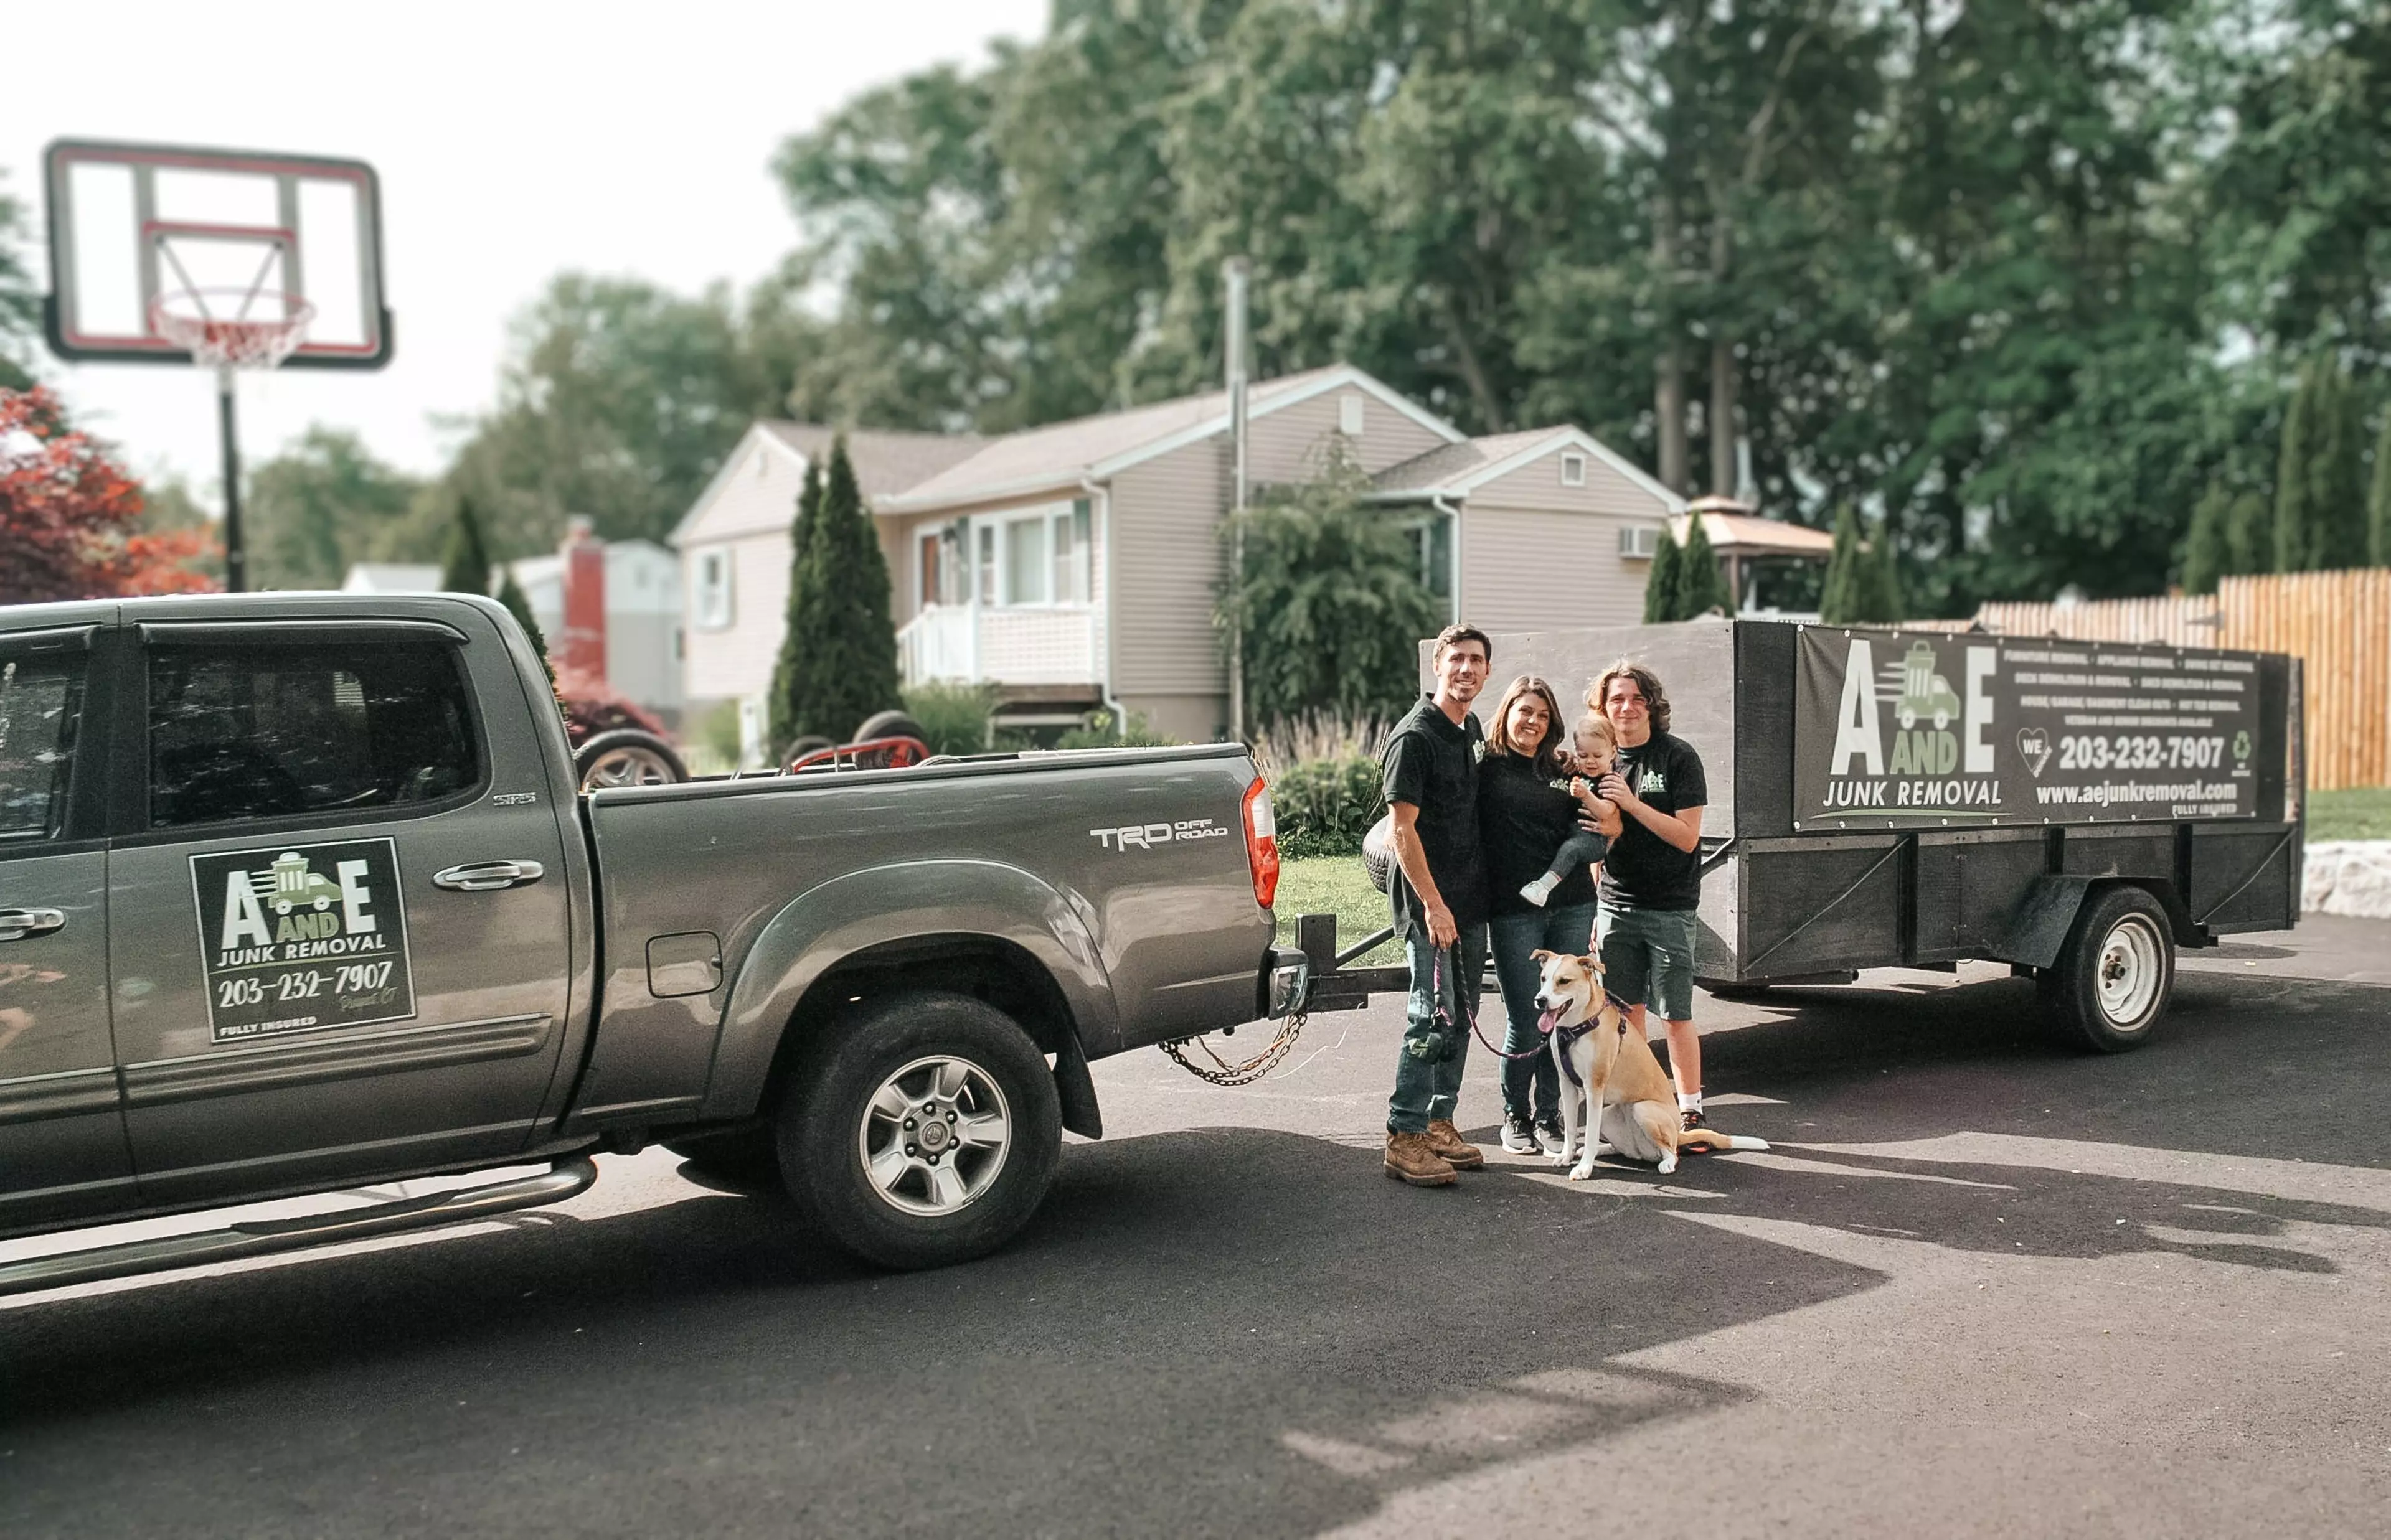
336,950
61,1130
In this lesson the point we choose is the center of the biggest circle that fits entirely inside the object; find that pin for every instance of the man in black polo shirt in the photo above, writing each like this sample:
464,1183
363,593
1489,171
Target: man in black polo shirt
1439,897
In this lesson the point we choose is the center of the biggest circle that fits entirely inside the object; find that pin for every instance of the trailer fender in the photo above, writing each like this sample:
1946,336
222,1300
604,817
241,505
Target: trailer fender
885,904
2038,926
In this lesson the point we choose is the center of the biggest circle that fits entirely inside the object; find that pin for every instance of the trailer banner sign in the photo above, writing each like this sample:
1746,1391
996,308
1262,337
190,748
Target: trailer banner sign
1904,729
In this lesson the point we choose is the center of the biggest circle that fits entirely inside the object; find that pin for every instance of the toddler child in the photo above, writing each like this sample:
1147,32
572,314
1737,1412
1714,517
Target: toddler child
1592,747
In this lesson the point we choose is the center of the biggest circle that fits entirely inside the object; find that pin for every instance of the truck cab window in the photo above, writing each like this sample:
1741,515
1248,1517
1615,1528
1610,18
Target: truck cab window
41,703
272,731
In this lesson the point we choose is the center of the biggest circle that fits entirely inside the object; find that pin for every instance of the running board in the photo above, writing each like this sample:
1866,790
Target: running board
257,1238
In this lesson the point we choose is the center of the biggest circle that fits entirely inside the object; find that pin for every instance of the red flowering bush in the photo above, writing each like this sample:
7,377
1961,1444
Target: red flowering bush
70,519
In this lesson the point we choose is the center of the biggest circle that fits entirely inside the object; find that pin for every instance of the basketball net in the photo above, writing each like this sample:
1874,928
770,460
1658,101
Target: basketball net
232,328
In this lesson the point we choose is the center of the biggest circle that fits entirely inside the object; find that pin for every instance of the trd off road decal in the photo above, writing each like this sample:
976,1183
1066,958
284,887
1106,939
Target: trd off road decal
1898,730
300,937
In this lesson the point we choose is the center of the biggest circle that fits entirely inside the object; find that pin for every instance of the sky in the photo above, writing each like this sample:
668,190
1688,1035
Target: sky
513,141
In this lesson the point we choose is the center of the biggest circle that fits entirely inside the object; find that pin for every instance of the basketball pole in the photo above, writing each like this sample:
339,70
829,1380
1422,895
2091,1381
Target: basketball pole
236,558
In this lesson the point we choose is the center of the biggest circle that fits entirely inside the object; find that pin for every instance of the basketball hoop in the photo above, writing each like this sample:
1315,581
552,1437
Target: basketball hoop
232,328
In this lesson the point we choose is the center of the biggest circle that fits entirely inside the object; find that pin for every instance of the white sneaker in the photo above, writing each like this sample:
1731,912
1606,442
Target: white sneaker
1515,1137
1548,1139
1536,893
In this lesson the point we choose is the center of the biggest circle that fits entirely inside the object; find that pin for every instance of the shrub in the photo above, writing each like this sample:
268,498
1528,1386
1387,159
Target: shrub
1099,730
1291,740
953,717
1326,806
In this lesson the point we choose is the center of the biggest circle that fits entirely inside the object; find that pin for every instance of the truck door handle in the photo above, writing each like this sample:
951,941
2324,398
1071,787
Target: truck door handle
17,924
482,877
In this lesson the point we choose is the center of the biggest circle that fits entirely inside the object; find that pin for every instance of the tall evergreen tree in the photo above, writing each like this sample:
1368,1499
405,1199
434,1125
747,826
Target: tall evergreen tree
1880,579
1838,598
847,668
2319,507
2250,536
1660,581
796,639
2206,556
518,604
2378,501
466,567
1701,586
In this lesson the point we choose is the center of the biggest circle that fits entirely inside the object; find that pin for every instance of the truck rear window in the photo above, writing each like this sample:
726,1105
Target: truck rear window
271,731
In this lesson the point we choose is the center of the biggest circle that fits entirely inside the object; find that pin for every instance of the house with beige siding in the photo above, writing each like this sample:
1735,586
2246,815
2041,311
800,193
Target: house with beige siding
1073,566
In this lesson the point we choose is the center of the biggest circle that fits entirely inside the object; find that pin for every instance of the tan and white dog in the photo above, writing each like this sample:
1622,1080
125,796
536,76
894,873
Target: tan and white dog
1612,1086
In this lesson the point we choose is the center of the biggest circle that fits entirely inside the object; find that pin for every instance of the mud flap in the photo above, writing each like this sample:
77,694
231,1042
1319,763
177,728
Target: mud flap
1075,1089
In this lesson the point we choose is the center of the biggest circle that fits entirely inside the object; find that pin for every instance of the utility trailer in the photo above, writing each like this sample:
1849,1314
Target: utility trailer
1913,799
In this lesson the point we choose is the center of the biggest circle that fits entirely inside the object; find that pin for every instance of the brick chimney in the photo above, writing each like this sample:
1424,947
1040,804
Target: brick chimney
583,646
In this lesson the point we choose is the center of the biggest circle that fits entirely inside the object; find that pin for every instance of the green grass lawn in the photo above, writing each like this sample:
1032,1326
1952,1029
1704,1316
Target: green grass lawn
1334,885
2361,814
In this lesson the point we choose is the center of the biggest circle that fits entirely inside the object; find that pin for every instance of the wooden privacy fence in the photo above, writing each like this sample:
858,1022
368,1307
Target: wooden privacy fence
2339,623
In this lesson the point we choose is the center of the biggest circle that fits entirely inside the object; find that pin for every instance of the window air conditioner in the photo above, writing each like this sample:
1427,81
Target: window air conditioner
1639,542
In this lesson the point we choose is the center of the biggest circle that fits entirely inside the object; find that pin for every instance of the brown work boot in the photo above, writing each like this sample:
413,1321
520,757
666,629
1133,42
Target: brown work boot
1458,1152
1409,1159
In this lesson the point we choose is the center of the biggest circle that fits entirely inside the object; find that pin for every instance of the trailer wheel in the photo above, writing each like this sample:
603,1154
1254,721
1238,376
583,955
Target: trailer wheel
924,1132
2110,983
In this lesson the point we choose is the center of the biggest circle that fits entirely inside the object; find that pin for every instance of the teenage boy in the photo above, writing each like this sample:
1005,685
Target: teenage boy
1440,904
1653,881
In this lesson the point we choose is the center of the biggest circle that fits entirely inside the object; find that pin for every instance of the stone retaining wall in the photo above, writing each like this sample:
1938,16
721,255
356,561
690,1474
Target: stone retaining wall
2349,877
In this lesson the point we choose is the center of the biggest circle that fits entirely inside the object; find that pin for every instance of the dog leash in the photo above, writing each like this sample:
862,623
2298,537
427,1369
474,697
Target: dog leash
1566,1034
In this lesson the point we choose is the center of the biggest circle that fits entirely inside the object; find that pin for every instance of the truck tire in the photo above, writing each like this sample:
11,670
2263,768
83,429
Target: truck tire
628,757
923,1131
2109,987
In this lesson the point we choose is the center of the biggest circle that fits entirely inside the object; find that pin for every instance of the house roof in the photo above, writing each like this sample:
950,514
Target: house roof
1457,469
886,460
1064,454
1749,535
1441,468
392,577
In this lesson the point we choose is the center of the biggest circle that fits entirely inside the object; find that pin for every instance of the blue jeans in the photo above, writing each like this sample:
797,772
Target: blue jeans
1426,1088
1531,1087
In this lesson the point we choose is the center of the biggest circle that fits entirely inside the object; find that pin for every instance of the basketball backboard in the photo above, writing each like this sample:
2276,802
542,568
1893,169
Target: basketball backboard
135,226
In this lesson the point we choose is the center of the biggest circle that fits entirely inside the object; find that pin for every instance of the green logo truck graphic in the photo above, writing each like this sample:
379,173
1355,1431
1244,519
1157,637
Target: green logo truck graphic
289,884
1924,693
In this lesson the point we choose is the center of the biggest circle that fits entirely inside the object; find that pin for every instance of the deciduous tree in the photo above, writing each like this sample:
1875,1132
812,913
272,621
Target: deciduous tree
1329,602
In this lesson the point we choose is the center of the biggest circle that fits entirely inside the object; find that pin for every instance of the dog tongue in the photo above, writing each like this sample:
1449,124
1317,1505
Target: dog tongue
1544,1023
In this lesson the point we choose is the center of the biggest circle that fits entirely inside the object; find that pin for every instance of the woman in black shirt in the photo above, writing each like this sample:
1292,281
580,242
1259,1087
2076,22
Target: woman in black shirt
1525,812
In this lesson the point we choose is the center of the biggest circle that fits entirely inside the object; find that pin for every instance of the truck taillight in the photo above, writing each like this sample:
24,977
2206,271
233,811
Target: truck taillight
1261,843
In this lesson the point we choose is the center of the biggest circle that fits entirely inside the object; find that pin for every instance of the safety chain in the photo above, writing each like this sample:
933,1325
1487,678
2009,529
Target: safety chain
1252,1070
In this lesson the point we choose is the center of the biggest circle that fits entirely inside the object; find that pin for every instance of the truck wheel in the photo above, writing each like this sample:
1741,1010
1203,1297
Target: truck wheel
924,1133
2110,983
628,757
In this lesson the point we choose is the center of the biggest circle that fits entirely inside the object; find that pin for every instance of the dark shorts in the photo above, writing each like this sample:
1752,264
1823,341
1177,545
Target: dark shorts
1648,958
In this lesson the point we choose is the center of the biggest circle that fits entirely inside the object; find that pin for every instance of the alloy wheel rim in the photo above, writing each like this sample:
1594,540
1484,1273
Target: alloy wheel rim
934,1138
628,767
2130,966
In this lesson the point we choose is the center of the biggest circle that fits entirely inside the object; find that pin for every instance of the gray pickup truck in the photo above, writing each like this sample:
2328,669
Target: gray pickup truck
297,893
